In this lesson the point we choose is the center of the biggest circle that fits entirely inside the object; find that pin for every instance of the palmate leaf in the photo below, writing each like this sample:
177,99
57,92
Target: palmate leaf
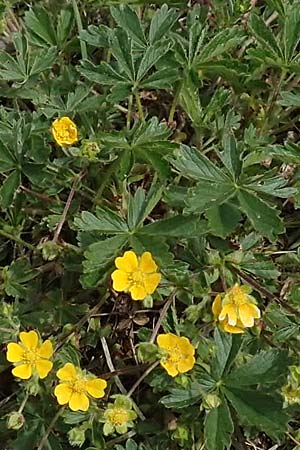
218,427
106,221
161,23
223,219
208,193
259,409
127,19
263,217
264,36
266,367
291,32
227,348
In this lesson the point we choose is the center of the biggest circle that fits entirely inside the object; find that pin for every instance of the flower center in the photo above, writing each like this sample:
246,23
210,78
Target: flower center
30,356
118,416
78,386
136,278
176,355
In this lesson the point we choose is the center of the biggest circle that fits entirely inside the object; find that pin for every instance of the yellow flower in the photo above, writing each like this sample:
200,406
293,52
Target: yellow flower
179,353
30,356
237,310
64,131
75,387
119,415
137,275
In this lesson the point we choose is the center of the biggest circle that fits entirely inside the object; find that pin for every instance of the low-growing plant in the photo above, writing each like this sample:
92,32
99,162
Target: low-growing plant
149,228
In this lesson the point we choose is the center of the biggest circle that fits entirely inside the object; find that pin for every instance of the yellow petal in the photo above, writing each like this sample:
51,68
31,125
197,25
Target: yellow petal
96,387
24,371
120,280
186,346
43,367
229,310
30,339
67,373
79,402
138,292
184,365
167,341
247,313
151,282
63,393
46,350
147,264
171,368
217,306
231,329
128,262
15,352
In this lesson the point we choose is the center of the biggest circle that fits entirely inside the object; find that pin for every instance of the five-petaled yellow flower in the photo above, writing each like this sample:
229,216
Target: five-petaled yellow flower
75,387
237,310
64,131
178,353
30,356
136,275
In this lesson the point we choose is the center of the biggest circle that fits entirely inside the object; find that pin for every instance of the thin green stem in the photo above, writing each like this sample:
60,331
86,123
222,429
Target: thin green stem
174,103
112,169
80,28
139,106
18,240
128,118
22,406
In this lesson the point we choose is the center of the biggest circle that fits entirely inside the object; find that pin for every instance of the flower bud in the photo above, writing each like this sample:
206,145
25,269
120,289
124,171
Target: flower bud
15,420
76,436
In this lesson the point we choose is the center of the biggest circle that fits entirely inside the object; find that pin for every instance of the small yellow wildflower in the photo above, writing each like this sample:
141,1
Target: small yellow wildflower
237,310
119,415
64,131
75,387
179,353
30,356
137,275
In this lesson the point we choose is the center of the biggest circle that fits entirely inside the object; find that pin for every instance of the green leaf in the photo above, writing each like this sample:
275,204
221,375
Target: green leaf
178,226
208,193
7,159
101,253
231,156
64,25
263,217
223,219
264,36
227,348
150,58
182,398
265,367
193,164
259,409
218,428
38,21
289,98
106,221
103,74
161,23
96,36
127,19
190,100
43,61
291,32
9,188
121,47
270,185
140,205
219,44
162,79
